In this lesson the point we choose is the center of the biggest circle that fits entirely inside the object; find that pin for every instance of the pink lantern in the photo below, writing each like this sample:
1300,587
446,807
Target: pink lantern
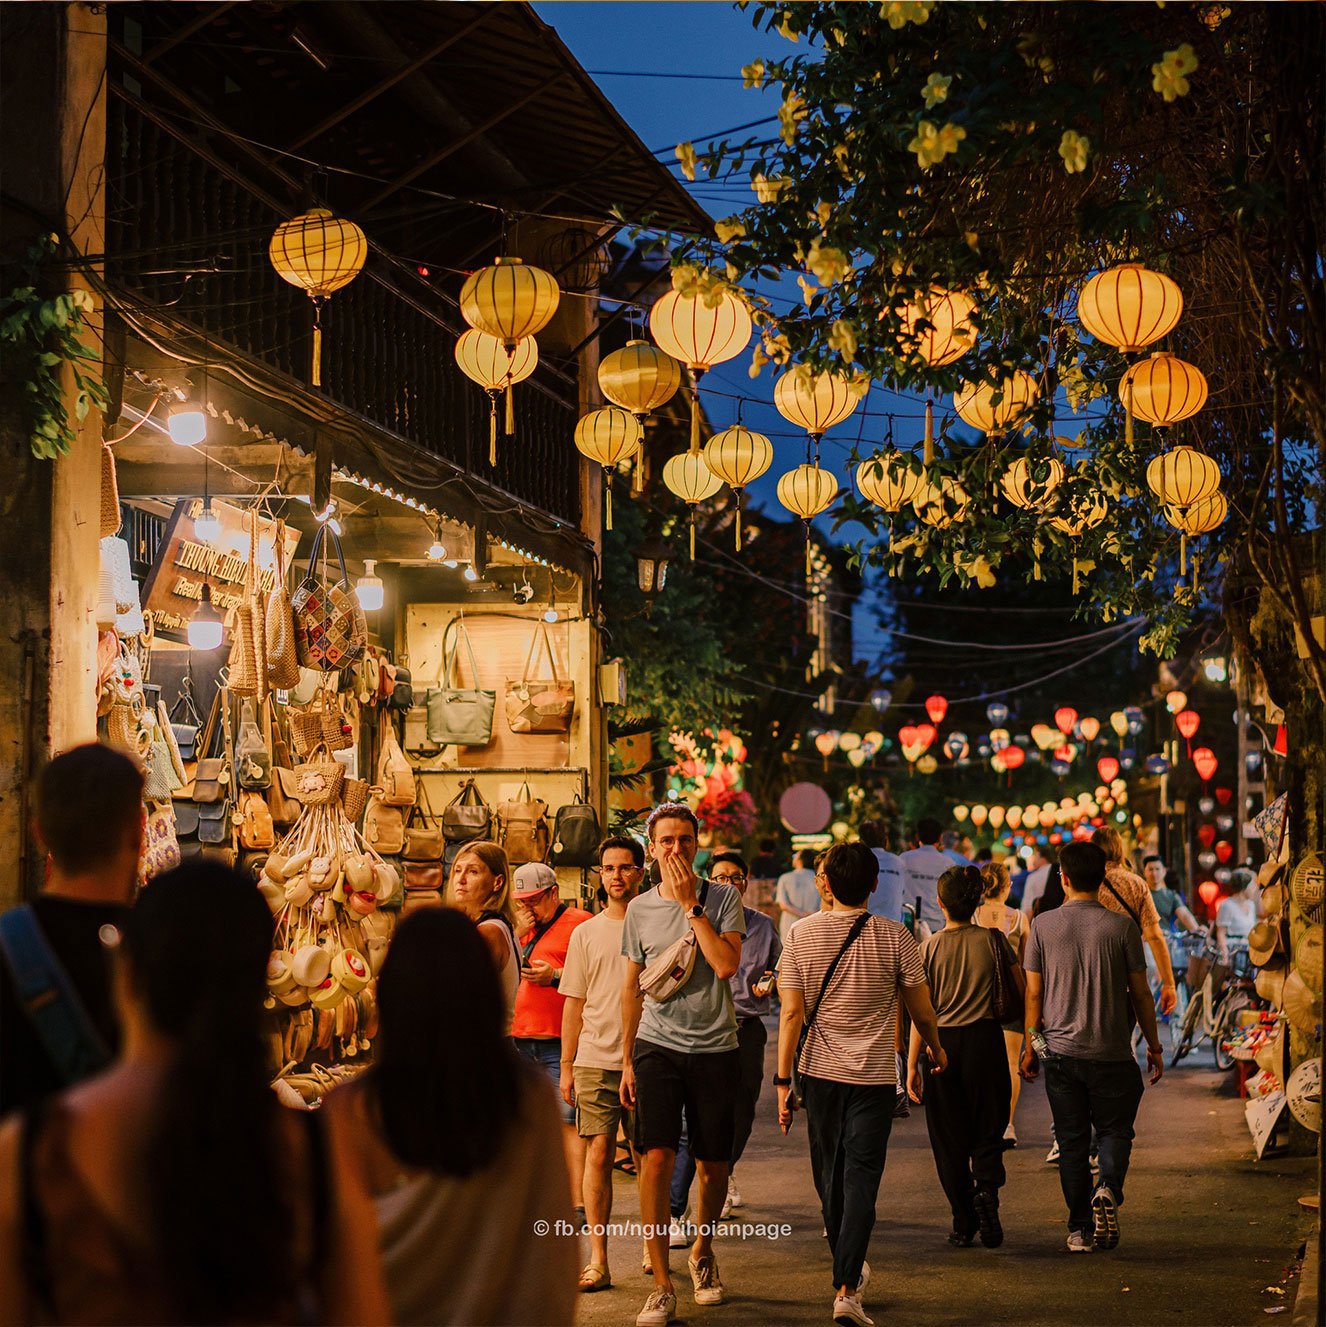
1064,719
1107,767
936,707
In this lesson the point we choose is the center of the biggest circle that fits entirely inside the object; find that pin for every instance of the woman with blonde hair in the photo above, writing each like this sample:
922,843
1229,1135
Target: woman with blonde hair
1013,924
480,887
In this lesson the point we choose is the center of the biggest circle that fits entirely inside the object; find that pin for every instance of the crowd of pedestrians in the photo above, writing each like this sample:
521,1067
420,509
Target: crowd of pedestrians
635,1036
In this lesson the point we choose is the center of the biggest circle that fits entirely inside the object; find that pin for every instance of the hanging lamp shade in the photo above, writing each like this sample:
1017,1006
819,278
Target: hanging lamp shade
318,252
1029,484
805,492
938,326
1176,701
486,360
736,457
887,480
941,504
1163,389
509,300
1064,719
815,401
1129,306
639,377
1199,518
975,402
692,481
1183,477
700,335
608,436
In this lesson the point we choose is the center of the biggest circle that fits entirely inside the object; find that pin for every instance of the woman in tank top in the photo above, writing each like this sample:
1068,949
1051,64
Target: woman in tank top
480,887
1012,923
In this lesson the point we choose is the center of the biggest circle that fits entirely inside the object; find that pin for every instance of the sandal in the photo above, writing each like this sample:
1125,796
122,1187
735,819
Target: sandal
594,1278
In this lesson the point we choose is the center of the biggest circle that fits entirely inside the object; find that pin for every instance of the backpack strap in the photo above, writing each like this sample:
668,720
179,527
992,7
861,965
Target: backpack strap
49,998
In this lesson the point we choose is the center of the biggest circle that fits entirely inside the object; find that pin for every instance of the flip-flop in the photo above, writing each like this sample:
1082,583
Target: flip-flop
594,1278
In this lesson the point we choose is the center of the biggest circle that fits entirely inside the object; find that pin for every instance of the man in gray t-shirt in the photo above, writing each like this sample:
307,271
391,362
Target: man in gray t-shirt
1084,967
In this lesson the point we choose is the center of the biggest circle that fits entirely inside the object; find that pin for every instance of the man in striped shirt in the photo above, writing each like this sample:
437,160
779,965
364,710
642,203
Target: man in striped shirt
848,1066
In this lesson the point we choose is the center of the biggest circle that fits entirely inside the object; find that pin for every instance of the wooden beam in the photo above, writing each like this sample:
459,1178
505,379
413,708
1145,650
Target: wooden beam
208,15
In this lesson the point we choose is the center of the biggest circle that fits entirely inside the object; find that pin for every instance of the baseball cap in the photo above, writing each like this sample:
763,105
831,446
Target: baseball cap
533,878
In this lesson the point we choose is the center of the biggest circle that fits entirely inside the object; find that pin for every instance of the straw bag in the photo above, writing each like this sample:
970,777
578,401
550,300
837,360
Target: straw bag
354,798
395,774
459,716
110,494
540,704
330,630
279,620
524,827
248,652
319,778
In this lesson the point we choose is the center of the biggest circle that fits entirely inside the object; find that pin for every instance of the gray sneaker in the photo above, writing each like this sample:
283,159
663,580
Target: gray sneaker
659,1310
705,1279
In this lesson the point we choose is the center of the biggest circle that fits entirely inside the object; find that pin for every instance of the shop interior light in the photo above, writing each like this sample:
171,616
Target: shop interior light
205,626
470,574
436,551
369,588
187,424
550,614
207,524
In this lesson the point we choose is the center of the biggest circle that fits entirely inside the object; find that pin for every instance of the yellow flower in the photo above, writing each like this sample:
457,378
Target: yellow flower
686,155
752,75
935,90
932,144
686,279
823,211
842,338
830,265
777,346
1073,148
807,290
767,190
840,156
839,36
900,13
790,112
975,568
785,28
1170,76
859,385
758,360
733,228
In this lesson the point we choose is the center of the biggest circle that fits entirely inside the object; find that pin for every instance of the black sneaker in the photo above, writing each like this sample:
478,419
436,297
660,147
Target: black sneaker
962,1239
986,1202
1105,1214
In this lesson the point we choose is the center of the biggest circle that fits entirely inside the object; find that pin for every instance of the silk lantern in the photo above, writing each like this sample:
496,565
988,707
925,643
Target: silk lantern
1224,850
888,480
849,741
979,815
1162,390
815,401
1129,306
1107,767
1176,701
1199,519
1119,722
805,492
858,757
936,707
1085,511
1205,763
927,765
609,436
485,359
1089,727
960,813
1206,835
1208,891
692,481
976,404
996,712
320,253
1030,484
941,504
926,734
999,738
1014,817
1224,796
1188,722
700,334
955,746
737,456
938,326
1064,719
997,816
1014,757
509,300
880,699
639,377
1044,736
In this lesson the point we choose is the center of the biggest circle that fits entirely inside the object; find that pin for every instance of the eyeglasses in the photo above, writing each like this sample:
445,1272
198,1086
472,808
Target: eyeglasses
614,870
735,878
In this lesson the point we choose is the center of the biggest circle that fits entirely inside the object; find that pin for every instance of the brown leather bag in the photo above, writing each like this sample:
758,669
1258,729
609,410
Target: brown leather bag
256,829
384,827
425,875
423,840
395,774
540,704
525,832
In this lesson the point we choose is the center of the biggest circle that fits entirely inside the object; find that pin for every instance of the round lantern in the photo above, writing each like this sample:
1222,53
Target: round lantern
887,480
1107,767
1089,727
700,335
1183,477
319,253
938,326
639,377
805,492
1199,519
936,707
1205,763
1163,389
941,504
927,765
1064,719
1187,722
979,815
736,457
1129,306
485,359
996,711
1013,756
815,401
955,746
509,300
1176,701
999,739
849,741
976,403
1029,484
608,436
692,481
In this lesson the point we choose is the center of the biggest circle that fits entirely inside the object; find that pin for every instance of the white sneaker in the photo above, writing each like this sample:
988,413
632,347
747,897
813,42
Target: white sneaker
864,1281
1105,1213
1052,1156
659,1310
678,1233
847,1312
704,1277
1079,1241
734,1198
1010,1137
727,1207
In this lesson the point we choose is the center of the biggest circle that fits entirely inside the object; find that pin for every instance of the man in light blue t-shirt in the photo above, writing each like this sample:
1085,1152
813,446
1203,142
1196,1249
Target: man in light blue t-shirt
680,1054
886,901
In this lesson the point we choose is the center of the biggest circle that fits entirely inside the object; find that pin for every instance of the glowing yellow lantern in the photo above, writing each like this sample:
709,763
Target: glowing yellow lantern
977,406
737,456
608,436
979,815
938,326
485,360
1014,817
960,813
1089,727
1129,306
1183,477
805,492
888,480
318,252
941,504
1163,390
815,401
1197,519
997,816
692,481
1029,484
1085,511
1119,722
509,300
927,765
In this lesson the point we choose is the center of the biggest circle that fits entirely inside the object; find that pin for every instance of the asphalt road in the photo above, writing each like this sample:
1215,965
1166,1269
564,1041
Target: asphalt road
1205,1230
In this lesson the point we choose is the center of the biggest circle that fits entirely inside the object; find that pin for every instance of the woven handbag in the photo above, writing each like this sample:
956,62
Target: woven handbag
540,704
319,778
330,630
354,798
279,620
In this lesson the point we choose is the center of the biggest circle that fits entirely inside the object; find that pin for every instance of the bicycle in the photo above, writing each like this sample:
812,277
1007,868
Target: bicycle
1240,995
1182,946
1223,991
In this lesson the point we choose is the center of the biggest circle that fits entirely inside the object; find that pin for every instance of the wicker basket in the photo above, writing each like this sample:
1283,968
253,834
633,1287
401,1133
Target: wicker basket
354,798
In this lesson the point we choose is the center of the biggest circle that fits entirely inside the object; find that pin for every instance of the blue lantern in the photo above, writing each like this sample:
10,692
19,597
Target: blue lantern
1157,764
997,712
880,699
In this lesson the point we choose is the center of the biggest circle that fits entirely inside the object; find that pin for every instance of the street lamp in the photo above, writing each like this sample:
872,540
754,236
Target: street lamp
651,569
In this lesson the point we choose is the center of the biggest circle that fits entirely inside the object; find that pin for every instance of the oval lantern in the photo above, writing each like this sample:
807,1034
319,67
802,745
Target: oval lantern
849,741
693,482
887,480
880,699
608,436
938,326
979,815
941,504
700,335
1183,477
1163,389
996,711
1119,722
955,746
509,300
639,377
960,813
486,360
1045,737
815,401
1224,850
1014,817
319,252
805,492
976,404
1129,306
997,814
1029,484
1176,701
1209,891
936,707
1107,767
1089,727
999,739
1205,763
857,757
1187,722
1064,719
925,735
825,743
1013,757
737,456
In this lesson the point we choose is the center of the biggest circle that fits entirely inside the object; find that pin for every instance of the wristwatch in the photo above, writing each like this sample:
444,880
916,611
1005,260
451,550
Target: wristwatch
781,1082
696,911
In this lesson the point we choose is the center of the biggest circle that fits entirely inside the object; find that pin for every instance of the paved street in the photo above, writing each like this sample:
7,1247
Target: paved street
1206,1229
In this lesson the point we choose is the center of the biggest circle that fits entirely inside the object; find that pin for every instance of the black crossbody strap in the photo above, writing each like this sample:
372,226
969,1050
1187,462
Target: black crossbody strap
540,930
858,926
1137,921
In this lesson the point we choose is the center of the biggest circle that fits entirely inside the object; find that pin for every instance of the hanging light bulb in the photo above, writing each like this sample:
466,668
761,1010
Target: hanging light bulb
207,524
205,626
369,588
470,574
436,551
187,423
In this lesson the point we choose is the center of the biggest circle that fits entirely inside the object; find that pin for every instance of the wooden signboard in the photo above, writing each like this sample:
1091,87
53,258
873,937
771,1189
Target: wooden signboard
174,586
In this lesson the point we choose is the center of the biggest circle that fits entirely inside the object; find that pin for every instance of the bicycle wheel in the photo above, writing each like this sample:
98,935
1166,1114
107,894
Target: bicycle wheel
1226,1021
1191,1021
1179,1016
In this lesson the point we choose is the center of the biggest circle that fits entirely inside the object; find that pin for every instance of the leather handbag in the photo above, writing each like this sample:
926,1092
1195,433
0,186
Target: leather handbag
384,827
401,696
424,875
330,630
540,704
423,841
210,780
282,797
395,773
576,835
256,827
459,716
416,739
467,816
185,722
214,822
279,621
524,827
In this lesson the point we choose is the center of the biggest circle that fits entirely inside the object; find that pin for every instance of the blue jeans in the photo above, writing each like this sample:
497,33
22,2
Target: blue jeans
1087,1095
546,1052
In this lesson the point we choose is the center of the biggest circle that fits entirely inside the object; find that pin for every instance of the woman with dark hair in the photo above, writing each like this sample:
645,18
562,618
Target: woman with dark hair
480,887
460,1141
966,1108
174,1188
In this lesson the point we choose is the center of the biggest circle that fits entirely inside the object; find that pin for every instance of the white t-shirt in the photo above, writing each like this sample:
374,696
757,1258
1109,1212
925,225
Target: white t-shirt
886,901
1033,887
923,866
594,972
797,890
1238,915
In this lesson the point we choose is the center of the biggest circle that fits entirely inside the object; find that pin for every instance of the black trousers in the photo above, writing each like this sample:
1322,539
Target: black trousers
849,1126
751,1038
966,1113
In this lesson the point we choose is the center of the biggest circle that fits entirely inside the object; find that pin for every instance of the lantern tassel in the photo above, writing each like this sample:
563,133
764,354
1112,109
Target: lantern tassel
1128,414
695,415
929,451
1196,558
316,373
492,431
737,495
1074,575
692,532
510,410
1183,553
1036,567
808,566
607,498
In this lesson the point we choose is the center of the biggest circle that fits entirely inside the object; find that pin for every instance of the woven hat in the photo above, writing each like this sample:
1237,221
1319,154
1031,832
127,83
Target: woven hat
1273,899
1271,985
1307,885
1263,943
1300,1004
1308,956
1269,873
1304,1093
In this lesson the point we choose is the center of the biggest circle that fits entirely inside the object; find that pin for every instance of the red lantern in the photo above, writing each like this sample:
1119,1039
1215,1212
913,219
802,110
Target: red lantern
1224,795
1064,719
1187,722
1107,767
1064,753
907,736
1281,747
936,707
1206,835
1224,851
1056,838
1205,762
1209,892
1012,756
925,734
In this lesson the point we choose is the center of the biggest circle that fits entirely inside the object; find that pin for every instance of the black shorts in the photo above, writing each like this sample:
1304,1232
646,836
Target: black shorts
704,1086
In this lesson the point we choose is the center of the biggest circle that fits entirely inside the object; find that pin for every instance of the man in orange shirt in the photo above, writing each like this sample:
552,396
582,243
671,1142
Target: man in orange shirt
537,1025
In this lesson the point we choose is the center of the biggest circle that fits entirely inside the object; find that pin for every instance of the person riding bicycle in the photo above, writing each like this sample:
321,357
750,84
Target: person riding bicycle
1169,902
